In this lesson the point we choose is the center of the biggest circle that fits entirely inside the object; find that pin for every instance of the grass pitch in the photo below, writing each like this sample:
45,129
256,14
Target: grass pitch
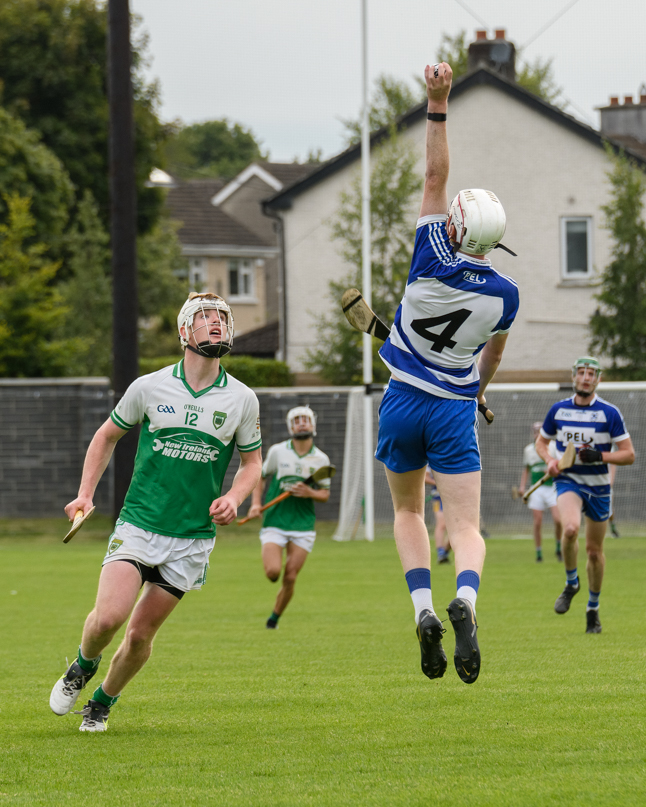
332,708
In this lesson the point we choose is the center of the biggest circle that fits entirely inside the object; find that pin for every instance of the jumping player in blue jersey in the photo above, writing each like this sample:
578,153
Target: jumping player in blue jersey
593,425
444,347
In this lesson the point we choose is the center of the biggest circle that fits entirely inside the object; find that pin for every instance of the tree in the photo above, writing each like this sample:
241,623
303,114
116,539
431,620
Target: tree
162,289
391,99
53,73
618,326
215,148
31,309
87,293
30,170
393,183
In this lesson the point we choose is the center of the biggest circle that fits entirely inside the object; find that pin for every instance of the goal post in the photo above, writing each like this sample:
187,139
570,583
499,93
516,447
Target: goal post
516,407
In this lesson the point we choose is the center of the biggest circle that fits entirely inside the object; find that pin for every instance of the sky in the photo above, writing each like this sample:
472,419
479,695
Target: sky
290,70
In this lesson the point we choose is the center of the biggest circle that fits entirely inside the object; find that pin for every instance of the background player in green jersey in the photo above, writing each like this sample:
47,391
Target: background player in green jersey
193,415
289,525
544,498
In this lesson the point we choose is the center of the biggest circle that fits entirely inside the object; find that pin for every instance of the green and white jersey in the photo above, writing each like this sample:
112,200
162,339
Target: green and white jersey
286,468
186,444
537,466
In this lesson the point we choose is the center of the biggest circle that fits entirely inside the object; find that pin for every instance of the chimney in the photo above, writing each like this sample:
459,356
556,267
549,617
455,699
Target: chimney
625,120
498,54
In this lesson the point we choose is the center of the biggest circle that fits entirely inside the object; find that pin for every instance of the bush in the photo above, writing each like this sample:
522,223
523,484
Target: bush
252,372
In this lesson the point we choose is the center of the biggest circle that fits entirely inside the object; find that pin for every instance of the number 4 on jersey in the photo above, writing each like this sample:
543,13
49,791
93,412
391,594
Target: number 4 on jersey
443,339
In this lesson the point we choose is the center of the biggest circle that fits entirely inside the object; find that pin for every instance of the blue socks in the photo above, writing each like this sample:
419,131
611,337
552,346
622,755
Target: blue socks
468,583
419,585
593,601
571,577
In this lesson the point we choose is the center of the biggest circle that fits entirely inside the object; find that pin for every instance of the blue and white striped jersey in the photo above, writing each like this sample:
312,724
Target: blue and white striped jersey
599,425
452,306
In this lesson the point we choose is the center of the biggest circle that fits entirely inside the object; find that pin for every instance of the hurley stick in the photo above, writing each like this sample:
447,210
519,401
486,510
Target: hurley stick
363,318
326,472
79,520
566,461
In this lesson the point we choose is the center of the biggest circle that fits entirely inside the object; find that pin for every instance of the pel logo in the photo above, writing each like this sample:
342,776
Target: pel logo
219,418
473,277
168,410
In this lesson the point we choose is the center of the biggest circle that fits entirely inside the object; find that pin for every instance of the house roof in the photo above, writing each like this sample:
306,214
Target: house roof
289,173
202,223
483,76
260,342
277,176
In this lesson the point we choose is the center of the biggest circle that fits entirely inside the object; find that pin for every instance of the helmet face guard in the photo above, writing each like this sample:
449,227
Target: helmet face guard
303,412
587,361
198,305
479,220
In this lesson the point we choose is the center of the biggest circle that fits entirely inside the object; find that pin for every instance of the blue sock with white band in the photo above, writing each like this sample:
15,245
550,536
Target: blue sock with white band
419,585
468,583
593,600
571,577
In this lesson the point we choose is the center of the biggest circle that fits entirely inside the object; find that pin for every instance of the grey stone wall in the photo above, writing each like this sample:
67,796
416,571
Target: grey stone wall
46,426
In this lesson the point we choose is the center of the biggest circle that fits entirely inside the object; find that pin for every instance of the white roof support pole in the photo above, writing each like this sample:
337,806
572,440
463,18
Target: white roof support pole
366,282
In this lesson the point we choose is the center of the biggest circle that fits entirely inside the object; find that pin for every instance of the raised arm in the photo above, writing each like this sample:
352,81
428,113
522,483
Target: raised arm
96,461
438,86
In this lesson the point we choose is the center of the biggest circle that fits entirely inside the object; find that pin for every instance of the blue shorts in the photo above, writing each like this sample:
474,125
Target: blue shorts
418,429
596,507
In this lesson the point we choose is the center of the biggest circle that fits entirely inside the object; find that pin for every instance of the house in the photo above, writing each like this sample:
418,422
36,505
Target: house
232,248
547,168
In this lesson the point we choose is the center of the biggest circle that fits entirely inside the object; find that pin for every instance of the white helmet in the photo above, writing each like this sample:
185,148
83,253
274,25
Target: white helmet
479,221
301,411
202,302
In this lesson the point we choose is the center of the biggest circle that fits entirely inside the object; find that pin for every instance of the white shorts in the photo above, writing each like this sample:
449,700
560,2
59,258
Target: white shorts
272,535
182,562
543,498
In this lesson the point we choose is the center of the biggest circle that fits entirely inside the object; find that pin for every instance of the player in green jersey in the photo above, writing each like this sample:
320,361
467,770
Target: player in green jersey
193,415
534,468
289,525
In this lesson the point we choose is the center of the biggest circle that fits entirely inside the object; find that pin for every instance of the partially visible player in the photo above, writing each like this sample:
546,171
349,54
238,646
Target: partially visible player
442,546
194,414
445,345
543,498
593,425
290,524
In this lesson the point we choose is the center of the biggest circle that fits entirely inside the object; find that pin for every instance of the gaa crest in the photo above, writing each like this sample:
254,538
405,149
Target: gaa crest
219,418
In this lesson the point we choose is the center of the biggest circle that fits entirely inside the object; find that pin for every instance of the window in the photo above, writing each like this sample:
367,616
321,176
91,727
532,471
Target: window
197,274
576,247
240,278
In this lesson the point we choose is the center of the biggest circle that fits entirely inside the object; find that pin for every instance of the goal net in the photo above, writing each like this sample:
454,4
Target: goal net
516,407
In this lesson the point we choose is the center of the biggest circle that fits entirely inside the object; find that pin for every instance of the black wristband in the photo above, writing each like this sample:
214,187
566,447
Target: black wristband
436,116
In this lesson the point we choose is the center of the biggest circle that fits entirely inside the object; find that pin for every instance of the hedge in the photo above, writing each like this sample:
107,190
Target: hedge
252,372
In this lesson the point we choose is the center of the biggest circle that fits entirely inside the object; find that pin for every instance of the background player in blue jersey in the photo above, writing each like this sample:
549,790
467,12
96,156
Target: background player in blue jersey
444,347
593,425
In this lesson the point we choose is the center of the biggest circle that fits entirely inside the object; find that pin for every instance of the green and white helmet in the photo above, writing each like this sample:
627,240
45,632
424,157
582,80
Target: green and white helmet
200,302
586,361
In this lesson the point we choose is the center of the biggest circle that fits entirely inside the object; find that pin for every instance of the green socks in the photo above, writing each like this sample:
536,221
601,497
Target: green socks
103,699
88,664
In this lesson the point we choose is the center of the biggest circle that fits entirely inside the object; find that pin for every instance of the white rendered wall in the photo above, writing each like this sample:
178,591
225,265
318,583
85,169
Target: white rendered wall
540,170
